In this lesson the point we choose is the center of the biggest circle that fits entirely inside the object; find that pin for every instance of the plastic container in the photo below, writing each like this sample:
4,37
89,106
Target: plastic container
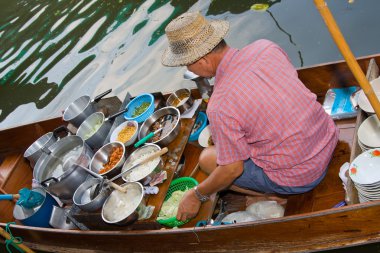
136,102
179,184
202,121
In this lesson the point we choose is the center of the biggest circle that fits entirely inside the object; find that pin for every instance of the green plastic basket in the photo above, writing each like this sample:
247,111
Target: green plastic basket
181,184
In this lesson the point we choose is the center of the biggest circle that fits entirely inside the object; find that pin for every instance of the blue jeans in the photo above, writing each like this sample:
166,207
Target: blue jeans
254,178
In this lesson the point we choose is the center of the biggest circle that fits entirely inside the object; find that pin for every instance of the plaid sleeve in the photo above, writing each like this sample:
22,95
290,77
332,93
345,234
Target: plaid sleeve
229,138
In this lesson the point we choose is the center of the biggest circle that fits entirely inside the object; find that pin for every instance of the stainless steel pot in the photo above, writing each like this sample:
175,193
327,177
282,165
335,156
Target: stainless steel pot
57,171
167,135
95,129
81,108
181,99
83,199
154,167
34,151
123,208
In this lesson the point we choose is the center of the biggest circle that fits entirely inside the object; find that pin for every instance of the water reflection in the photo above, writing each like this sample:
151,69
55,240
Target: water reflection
54,51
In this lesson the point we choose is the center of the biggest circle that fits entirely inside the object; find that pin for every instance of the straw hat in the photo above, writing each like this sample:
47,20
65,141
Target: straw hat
191,37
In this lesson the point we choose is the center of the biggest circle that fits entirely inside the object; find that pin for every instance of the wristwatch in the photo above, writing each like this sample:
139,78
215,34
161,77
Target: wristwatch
202,198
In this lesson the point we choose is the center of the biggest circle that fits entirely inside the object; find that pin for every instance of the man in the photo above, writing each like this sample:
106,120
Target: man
271,135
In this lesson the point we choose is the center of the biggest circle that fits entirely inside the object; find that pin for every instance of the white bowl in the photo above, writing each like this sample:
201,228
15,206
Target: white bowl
363,101
121,127
204,136
369,132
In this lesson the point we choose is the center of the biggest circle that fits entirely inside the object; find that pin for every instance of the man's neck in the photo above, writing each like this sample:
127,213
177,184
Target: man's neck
218,57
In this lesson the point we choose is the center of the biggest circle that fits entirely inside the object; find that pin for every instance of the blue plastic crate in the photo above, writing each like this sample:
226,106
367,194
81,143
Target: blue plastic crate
136,102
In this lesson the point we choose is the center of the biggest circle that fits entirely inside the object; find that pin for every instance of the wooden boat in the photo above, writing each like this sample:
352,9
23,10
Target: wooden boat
310,222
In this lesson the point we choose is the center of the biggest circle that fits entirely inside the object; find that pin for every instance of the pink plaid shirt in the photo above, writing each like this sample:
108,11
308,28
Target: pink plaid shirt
261,110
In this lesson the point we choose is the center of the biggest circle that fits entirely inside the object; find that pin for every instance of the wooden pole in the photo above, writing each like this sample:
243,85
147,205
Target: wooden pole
347,54
7,236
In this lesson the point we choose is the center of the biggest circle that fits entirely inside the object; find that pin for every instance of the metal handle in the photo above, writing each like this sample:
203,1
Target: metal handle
59,129
98,97
116,114
43,183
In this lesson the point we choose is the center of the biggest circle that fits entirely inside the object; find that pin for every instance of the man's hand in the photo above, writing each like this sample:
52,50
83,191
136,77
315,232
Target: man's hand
189,206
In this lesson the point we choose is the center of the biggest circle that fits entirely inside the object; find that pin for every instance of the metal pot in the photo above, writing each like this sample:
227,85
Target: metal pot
81,108
132,201
38,216
95,129
34,151
83,199
167,136
148,148
57,171
181,99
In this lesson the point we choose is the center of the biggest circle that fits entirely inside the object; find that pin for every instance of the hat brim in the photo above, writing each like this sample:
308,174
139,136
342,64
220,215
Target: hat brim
171,59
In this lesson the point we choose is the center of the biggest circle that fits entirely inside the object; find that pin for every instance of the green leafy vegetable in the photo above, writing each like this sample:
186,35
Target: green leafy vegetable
140,109
170,207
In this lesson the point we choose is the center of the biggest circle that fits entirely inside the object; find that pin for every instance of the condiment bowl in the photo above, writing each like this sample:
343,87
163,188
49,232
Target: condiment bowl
102,157
129,141
181,99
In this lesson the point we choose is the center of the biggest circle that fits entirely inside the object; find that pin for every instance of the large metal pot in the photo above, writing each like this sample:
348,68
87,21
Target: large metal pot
57,171
81,108
38,216
168,134
127,205
95,129
34,151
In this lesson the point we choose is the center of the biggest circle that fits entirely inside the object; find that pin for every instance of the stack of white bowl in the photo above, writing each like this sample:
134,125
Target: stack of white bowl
365,173
369,133
363,101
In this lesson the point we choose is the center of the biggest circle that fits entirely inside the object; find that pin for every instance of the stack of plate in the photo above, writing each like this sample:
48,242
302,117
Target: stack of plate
365,173
369,133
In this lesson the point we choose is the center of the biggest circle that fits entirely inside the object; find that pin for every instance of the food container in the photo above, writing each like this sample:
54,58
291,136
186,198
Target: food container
200,124
81,108
146,170
121,127
102,156
157,120
59,219
122,208
94,130
136,105
82,196
181,99
57,170
38,216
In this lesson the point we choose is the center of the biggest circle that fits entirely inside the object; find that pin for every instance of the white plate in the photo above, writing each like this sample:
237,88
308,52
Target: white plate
365,168
204,136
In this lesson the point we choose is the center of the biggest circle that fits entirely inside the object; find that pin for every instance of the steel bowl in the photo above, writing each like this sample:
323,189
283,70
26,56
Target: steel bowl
181,99
83,199
169,136
156,166
127,205
102,156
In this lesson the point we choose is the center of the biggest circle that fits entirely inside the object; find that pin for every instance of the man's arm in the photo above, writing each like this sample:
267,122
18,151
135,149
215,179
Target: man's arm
219,179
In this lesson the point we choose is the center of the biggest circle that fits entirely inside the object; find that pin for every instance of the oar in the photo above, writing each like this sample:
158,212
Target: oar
347,54
7,236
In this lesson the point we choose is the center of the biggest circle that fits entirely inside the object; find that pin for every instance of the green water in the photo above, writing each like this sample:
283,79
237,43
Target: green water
55,51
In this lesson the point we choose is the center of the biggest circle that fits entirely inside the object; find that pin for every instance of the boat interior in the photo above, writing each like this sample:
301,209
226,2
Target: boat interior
182,159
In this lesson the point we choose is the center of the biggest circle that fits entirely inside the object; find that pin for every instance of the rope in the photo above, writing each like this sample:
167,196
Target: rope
13,240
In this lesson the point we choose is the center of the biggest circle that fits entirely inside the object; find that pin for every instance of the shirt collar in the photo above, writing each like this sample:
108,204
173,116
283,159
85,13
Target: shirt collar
223,65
